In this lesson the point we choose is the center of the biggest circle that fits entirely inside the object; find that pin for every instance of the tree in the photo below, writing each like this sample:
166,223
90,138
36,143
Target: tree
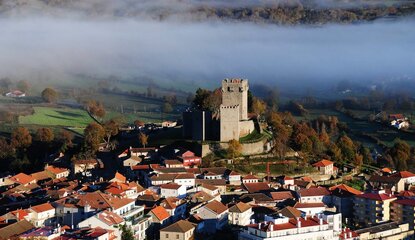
234,148
49,95
111,128
258,106
94,134
281,136
5,149
95,108
21,138
143,139
45,135
5,84
65,137
126,233
139,123
347,147
167,108
23,86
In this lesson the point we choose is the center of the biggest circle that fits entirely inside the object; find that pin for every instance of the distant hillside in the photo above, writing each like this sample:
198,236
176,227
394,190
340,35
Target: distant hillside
270,11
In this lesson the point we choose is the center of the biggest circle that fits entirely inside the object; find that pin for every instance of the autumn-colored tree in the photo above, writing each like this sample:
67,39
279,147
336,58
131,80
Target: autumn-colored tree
324,137
258,106
66,137
21,138
335,152
45,135
347,147
303,143
143,139
94,134
358,160
49,95
281,136
167,108
111,128
23,85
234,148
208,100
274,119
139,123
95,108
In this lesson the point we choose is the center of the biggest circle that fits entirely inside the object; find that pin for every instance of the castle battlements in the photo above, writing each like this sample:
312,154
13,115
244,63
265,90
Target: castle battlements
229,107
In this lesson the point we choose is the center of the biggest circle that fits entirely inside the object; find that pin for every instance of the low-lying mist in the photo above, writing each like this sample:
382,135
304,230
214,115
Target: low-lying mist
203,53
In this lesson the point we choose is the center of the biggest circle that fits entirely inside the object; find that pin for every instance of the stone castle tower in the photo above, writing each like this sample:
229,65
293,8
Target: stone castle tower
234,122
235,92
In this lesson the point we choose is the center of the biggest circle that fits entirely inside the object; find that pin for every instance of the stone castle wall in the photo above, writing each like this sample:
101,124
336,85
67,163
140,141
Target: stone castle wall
246,127
229,123
235,92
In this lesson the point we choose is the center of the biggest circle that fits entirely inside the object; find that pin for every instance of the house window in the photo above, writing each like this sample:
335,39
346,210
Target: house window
167,235
177,236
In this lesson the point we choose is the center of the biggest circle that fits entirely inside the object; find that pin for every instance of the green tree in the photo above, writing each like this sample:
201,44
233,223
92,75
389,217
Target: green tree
49,95
5,149
167,108
23,86
126,233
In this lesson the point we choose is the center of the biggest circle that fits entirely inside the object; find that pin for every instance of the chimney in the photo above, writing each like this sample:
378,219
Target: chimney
321,221
272,227
305,217
298,223
345,235
350,234
259,226
252,221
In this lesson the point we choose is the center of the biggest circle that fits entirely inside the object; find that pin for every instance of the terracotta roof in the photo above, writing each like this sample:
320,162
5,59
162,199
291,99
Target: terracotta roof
22,178
15,229
384,179
344,187
257,197
56,170
406,194
202,197
309,205
140,167
386,170
323,163
292,224
281,195
170,203
250,177
42,207
42,175
209,187
160,213
181,226
347,231
256,187
174,186
233,173
376,196
403,174
216,207
214,182
290,212
164,177
185,176
407,202
97,200
318,191
110,218
240,207
20,214
172,162
120,177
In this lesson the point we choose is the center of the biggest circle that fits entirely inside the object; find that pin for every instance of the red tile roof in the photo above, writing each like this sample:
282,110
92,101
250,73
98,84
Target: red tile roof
160,213
386,170
110,218
250,177
309,205
281,195
403,174
376,196
22,178
346,188
256,187
56,170
118,176
348,232
323,163
314,191
292,223
174,186
42,207
216,207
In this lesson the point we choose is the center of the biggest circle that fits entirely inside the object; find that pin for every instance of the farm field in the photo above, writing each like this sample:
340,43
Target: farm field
65,117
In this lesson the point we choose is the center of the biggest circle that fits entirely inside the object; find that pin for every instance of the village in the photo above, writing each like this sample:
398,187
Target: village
179,191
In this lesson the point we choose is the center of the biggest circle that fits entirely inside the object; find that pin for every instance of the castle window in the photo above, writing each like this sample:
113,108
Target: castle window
230,89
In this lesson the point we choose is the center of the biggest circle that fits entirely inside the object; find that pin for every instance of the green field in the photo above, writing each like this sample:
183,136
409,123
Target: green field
65,117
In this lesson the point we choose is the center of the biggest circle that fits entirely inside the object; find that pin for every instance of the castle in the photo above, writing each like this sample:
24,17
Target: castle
233,121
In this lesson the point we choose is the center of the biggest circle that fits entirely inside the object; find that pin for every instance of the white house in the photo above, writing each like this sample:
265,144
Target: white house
215,216
107,220
310,208
325,167
250,179
283,228
234,178
240,214
185,179
42,215
172,190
